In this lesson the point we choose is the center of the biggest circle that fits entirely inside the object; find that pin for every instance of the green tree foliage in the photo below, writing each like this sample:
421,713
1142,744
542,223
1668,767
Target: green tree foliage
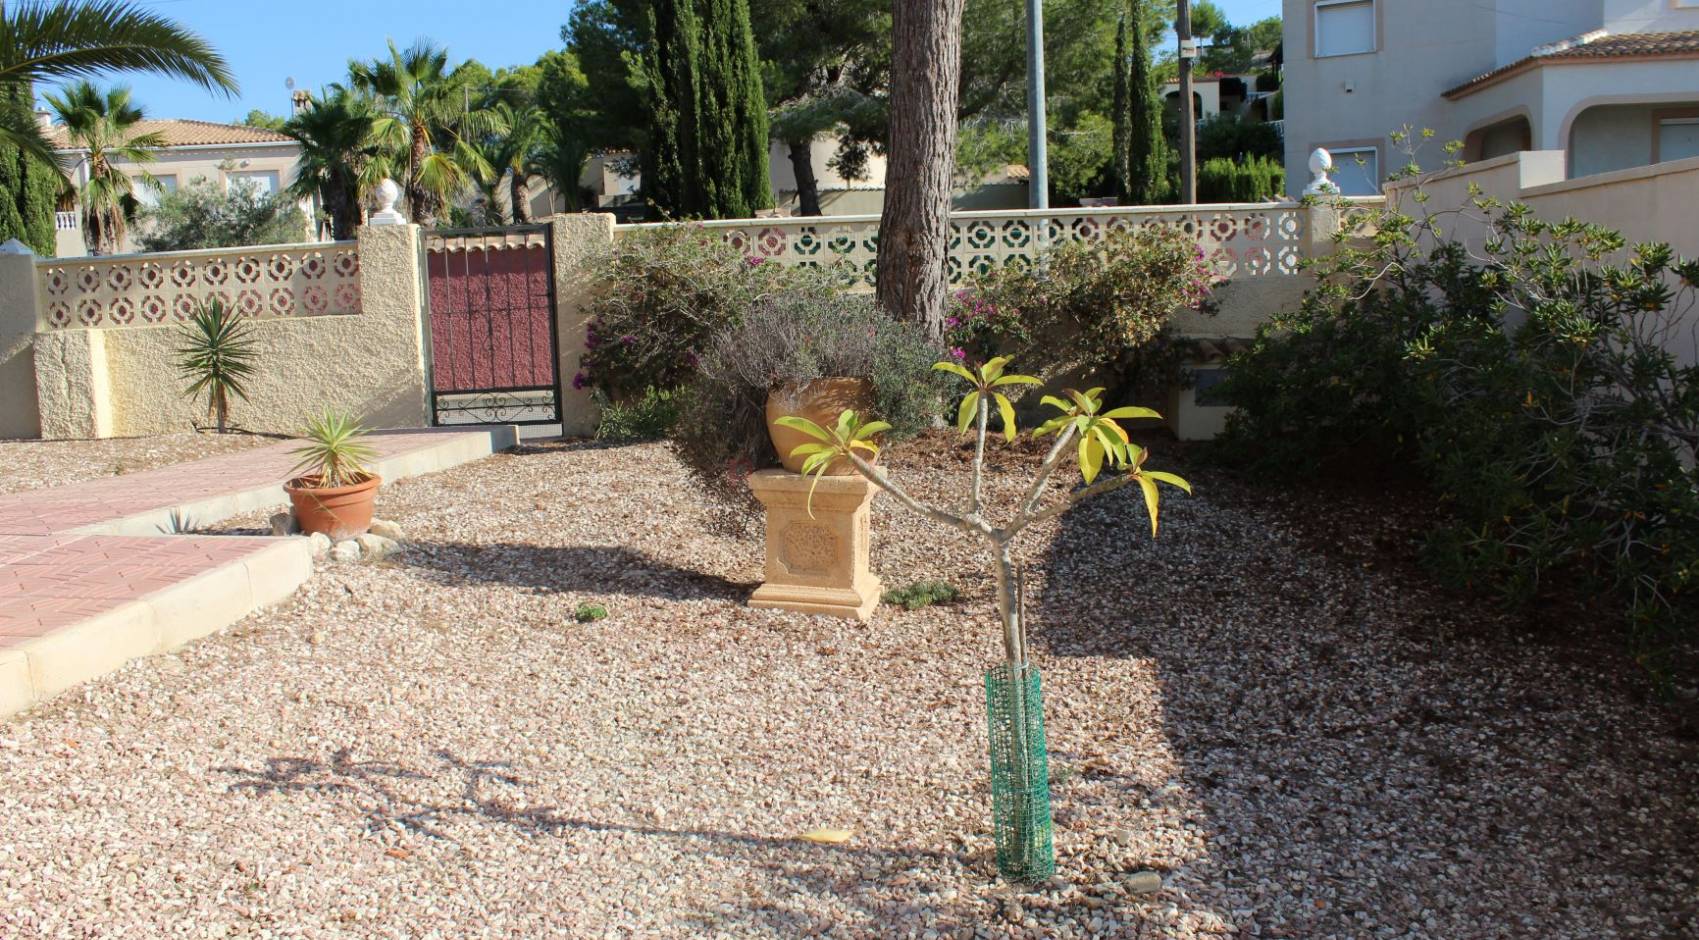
1233,137
103,123
1253,179
1234,47
340,160
207,215
264,120
29,186
1146,179
707,155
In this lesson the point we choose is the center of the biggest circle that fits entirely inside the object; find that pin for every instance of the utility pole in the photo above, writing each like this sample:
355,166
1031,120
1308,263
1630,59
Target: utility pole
1038,158
1188,113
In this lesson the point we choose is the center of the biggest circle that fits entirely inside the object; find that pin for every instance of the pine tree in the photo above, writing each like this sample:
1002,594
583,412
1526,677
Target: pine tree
29,188
1147,158
1121,109
707,151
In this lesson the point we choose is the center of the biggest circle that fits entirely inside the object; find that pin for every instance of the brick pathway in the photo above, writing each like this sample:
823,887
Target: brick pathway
91,574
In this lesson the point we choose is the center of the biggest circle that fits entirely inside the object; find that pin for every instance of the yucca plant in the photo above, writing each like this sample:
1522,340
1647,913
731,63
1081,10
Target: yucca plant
1020,784
217,357
335,451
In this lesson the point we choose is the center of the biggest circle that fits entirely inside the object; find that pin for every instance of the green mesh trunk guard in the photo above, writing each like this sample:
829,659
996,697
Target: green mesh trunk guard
1020,775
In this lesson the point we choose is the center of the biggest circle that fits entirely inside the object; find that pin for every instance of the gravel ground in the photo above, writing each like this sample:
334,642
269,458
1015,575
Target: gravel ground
1303,741
28,465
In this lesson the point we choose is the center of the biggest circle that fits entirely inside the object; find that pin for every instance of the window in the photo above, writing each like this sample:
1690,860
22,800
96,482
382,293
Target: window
1206,385
149,195
1678,138
1356,170
263,181
1345,27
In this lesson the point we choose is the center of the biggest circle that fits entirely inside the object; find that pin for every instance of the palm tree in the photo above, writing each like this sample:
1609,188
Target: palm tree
511,157
339,160
56,40
559,158
103,124
426,122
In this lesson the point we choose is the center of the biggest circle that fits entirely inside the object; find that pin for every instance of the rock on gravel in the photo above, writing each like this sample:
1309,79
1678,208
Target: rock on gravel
1294,744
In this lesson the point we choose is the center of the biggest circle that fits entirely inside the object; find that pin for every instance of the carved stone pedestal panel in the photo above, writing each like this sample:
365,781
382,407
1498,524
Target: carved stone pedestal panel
818,564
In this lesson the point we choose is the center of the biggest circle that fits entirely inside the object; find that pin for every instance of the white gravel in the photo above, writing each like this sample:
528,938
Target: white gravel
431,747
28,465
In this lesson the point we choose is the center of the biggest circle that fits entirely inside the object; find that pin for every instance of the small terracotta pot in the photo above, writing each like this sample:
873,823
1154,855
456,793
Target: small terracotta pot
820,401
340,512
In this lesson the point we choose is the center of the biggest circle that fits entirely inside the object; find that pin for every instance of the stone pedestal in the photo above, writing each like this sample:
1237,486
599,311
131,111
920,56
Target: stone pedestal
816,565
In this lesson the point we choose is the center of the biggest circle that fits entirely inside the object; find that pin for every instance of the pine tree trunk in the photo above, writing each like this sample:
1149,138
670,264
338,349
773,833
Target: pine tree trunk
807,187
914,229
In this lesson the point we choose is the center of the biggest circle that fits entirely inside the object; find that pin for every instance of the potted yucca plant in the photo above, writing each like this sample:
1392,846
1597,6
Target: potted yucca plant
216,355
1020,783
332,490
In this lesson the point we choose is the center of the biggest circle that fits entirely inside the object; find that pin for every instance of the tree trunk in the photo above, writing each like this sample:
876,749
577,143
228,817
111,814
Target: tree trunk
807,187
914,230
521,202
419,200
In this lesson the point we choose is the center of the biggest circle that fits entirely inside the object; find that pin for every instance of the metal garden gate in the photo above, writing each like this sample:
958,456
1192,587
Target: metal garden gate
494,349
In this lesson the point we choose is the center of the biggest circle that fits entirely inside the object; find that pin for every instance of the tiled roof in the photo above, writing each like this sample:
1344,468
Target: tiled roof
185,133
1678,45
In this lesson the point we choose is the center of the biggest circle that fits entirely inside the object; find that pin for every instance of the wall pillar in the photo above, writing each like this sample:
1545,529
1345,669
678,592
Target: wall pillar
19,414
392,296
576,237
73,384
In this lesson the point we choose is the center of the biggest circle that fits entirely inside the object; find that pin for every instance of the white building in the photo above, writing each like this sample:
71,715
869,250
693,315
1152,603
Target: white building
1612,83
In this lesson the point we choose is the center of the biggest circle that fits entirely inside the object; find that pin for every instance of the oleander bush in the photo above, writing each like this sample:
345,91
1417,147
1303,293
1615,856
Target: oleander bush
1094,306
789,338
658,295
1531,383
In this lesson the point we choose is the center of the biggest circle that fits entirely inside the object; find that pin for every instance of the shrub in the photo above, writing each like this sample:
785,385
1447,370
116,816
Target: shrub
1528,383
205,215
922,594
587,612
646,418
792,338
1232,137
1084,305
1256,179
659,294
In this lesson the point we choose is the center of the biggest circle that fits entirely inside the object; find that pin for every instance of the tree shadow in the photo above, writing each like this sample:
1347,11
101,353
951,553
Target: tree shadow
601,569
1362,761
438,802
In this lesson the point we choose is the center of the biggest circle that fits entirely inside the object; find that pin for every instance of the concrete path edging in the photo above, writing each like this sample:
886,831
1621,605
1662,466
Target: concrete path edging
109,627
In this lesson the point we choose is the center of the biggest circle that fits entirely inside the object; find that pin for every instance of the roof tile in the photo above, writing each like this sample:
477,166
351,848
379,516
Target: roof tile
186,133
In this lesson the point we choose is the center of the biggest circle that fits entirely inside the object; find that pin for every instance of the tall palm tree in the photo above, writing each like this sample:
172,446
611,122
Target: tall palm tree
103,124
56,40
512,156
559,159
339,160
426,121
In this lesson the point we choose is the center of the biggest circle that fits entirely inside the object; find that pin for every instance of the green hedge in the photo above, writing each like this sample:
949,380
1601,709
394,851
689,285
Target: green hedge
1256,179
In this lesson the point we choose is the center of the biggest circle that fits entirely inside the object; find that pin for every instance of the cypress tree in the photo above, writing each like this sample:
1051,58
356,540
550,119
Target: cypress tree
1147,158
1120,108
29,188
707,154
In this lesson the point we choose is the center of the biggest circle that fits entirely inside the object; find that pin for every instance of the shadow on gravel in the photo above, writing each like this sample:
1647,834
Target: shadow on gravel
1362,761
600,569
456,792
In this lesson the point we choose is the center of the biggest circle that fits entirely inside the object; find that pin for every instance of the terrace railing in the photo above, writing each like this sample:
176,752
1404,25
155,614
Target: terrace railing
116,291
1242,240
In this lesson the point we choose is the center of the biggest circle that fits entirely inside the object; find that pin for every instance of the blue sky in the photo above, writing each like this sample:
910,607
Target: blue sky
312,40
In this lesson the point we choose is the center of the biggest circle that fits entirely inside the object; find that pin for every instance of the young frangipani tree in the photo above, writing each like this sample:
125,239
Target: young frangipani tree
1101,443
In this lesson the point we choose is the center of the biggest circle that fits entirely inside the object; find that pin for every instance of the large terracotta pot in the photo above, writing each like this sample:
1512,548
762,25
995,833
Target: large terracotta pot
340,512
820,401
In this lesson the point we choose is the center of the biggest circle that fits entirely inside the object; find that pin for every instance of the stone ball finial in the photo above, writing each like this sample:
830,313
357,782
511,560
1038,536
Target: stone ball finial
1321,164
388,193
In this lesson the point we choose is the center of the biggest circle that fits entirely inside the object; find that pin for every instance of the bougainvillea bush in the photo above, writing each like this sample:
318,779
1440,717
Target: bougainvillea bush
1532,383
1085,305
659,293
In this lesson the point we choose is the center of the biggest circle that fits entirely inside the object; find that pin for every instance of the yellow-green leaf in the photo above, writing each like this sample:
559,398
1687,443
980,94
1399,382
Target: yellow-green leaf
827,836
1131,411
803,450
871,428
1091,457
1008,412
1017,380
954,369
1151,499
804,425
994,368
1169,479
1056,403
967,412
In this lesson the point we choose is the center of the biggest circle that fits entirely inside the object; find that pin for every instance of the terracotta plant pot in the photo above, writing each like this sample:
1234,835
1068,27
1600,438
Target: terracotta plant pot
820,401
340,512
